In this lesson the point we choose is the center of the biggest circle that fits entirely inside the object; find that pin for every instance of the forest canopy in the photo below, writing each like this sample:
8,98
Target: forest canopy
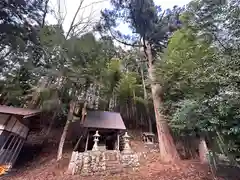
181,72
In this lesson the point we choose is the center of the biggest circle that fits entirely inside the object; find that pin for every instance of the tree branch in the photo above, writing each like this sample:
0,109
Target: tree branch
74,18
45,13
161,18
125,43
6,55
93,3
85,22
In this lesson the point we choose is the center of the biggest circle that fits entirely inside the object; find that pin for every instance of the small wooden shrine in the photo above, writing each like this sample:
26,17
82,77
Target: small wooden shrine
14,128
104,146
108,124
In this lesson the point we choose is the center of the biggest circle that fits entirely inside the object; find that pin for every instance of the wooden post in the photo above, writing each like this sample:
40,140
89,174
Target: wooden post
118,141
10,149
86,145
18,149
203,151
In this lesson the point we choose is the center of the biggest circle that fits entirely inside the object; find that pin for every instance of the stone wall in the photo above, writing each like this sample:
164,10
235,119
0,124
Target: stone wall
98,162
130,160
87,163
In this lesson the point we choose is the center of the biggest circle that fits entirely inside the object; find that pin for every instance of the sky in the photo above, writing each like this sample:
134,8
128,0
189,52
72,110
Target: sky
93,8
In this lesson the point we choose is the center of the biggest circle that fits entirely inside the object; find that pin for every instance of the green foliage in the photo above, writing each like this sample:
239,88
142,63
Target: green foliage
147,21
17,19
126,86
200,74
197,63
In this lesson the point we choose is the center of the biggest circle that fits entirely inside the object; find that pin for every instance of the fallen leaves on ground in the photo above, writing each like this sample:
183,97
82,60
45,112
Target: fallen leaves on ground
47,168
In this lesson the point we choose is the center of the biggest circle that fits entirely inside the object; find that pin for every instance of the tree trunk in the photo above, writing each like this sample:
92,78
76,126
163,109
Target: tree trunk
34,103
146,99
149,119
168,151
65,130
3,97
84,113
44,13
203,151
51,124
49,128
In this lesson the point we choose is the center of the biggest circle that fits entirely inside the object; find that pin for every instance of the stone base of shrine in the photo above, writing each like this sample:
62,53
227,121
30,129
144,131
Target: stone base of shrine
129,159
101,162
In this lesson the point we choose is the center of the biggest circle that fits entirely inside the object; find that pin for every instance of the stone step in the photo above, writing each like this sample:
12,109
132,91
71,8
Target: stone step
113,162
113,165
114,169
111,157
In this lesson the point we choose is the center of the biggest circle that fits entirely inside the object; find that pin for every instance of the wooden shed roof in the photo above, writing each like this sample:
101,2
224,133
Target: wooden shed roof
103,120
18,111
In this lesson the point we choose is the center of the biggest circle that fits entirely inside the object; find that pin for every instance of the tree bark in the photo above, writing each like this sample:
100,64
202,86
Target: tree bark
34,103
203,151
168,151
146,99
49,128
84,113
45,13
3,97
65,130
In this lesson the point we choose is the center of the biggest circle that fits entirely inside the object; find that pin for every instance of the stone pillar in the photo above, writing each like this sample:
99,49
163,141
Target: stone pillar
72,164
128,157
127,148
96,139
86,166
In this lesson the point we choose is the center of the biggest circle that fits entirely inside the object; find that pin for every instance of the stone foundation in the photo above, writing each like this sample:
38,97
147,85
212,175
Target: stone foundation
130,160
100,162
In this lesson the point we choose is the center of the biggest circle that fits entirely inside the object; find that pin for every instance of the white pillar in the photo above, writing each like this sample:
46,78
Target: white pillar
86,145
117,148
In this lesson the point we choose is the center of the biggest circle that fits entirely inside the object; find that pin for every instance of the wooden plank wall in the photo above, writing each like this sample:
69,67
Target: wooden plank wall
12,124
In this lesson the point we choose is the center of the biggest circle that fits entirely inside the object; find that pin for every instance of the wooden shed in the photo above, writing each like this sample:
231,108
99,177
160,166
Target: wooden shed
14,128
109,125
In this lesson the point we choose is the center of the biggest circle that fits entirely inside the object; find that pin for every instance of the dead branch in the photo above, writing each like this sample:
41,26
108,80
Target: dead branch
45,13
93,3
74,18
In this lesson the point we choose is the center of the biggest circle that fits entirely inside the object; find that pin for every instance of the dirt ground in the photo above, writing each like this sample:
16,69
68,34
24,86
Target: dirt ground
38,163
50,170
43,166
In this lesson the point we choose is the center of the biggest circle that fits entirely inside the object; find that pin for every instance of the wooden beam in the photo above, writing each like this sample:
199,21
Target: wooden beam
13,148
17,151
118,139
4,125
5,150
86,145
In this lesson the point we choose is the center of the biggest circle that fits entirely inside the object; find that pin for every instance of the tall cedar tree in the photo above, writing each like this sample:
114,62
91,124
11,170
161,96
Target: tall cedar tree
153,27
